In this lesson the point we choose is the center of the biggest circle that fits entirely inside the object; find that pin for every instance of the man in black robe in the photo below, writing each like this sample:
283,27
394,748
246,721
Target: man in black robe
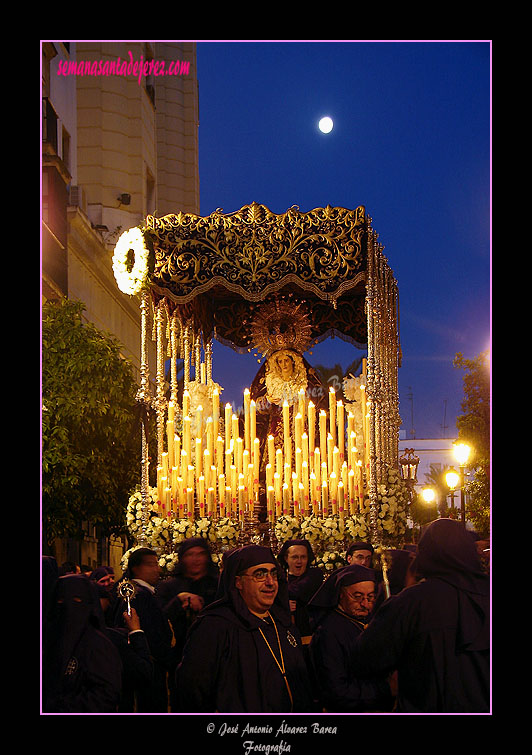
82,670
340,611
436,633
296,557
243,654
144,571
183,595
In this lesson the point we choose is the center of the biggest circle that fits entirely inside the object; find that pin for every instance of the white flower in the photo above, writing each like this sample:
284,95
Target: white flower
130,261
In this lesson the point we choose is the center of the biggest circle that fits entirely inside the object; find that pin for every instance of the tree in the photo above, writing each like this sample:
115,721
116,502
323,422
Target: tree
90,452
474,425
474,428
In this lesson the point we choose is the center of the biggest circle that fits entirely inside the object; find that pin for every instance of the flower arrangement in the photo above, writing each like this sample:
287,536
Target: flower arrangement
357,527
206,528
227,532
392,508
134,510
131,261
330,560
311,530
287,528
333,531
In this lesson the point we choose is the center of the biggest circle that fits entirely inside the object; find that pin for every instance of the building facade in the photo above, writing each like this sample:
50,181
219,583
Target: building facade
119,141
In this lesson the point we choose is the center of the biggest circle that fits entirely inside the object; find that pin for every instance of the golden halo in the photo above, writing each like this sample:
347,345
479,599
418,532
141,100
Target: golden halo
281,325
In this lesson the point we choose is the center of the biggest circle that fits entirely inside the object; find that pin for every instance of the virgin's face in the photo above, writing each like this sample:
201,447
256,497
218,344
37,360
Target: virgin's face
285,365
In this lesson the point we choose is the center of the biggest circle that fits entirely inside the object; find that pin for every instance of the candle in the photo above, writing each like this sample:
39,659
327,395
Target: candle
164,463
299,463
234,428
332,414
220,455
174,483
190,477
184,464
313,493
270,498
277,486
186,435
333,487
253,421
203,377
256,460
304,447
207,467
170,432
247,420
228,413
177,450
311,411
210,501
210,435
323,434
286,499
201,492
271,450
341,429
301,499
238,454
324,498
351,491
279,461
190,502
199,422
269,476
160,487
299,429
330,448
171,411
341,500
301,401
168,499
286,428
186,403
199,456
228,462
216,412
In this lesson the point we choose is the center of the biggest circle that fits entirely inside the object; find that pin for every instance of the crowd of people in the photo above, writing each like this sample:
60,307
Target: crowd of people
272,634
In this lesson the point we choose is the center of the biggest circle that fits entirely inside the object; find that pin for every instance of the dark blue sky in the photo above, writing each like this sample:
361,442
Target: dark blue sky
411,143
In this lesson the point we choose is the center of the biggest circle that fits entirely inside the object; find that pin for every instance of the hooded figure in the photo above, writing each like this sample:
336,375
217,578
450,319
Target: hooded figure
436,633
339,611
302,585
81,666
243,654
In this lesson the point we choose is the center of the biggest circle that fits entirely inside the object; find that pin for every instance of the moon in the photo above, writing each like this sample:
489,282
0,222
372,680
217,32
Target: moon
326,125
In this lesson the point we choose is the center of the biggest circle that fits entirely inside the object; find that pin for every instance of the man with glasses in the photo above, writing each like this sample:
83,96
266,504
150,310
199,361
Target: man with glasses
340,611
243,654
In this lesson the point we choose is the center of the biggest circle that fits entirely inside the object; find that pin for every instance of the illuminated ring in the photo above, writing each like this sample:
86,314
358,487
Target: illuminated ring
131,262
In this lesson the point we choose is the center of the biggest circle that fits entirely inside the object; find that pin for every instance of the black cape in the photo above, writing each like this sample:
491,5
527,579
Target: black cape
436,633
227,666
82,670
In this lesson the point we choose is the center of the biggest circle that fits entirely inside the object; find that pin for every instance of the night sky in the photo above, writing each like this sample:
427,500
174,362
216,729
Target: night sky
411,142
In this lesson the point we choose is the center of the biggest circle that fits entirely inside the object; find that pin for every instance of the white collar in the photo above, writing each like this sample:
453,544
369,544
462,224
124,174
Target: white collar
151,588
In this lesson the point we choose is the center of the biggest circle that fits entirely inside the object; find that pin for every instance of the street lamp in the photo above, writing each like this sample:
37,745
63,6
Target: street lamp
409,463
462,452
452,478
428,495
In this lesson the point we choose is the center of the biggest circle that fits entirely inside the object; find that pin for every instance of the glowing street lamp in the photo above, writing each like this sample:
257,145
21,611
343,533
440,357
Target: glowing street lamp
428,495
452,478
462,453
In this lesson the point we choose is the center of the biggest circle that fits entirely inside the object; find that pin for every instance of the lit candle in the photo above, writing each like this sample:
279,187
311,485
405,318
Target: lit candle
279,461
234,428
216,412
228,462
190,502
247,420
330,448
351,491
199,422
253,421
301,401
299,429
304,447
269,475
286,499
311,411
168,499
332,414
177,450
170,432
203,377
199,456
184,464
164,463
313,493
299,463
228,413
201,493
186,403
323,434
271,450
238,454
171,411
277,485
341,500
324,498
160,487
210,436
220,455
174,483
301,500
286,428
210,501
186,435
256,460
270,497
207,467
317,465
341,430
